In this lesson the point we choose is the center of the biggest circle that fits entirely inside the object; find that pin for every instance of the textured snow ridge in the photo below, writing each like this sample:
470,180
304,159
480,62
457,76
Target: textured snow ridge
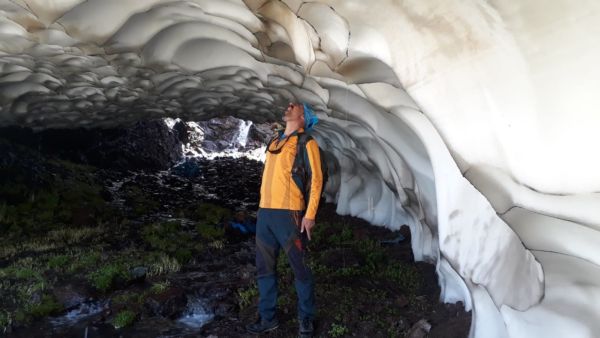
473,122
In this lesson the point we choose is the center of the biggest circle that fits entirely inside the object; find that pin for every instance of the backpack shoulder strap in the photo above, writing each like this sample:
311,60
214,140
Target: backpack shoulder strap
303,139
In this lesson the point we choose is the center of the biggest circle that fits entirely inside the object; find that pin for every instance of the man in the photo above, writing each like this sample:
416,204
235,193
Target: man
285,220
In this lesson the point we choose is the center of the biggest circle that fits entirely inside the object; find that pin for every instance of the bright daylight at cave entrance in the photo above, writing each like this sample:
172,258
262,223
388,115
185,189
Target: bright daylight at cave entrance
328,168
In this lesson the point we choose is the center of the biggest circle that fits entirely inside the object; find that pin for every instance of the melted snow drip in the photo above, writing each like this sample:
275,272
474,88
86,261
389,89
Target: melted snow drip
81,312
244,130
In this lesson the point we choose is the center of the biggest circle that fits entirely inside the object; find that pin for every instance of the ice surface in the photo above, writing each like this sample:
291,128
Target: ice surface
472,122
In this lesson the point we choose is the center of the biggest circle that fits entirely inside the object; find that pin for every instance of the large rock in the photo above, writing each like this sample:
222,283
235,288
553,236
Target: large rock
145,145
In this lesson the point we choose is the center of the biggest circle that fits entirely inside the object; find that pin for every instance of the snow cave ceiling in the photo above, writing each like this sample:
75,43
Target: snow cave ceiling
472,122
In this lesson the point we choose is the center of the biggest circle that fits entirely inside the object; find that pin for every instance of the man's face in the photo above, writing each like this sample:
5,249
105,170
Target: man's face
294,112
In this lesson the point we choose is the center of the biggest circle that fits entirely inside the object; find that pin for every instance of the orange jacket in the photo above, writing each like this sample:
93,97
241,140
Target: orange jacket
278,190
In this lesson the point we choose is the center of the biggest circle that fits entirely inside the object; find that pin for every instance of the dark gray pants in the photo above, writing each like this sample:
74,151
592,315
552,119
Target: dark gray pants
276,229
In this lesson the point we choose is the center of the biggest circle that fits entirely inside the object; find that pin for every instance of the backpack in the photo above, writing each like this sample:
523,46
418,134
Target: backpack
301,169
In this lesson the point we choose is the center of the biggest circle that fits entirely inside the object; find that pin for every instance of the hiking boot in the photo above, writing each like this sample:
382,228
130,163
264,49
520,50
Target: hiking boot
306,328
261,326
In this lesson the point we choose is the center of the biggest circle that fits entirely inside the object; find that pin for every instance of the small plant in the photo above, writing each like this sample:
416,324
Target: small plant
338,330
170,238
25,273
129,297
75,235
86,261
247,296
163,264
218,244
160,287
90,259
210,232
106,277
58,262
124,319
342,237
407,276
373,254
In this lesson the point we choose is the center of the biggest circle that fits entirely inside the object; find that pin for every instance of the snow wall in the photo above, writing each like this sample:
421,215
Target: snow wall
473,122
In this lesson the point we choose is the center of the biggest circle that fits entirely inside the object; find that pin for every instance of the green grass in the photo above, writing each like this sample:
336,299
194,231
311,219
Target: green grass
170,238
34,203
161,264
337,330
47,306
210,214
123,319
130,298
247,296
85,261
210,232
106,277
58,262
407,277
160,287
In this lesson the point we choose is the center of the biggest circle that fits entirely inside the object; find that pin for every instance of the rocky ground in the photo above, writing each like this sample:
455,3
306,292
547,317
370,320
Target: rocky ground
89,251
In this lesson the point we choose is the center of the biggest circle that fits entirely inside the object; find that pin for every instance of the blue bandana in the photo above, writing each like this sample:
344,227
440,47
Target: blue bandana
310,118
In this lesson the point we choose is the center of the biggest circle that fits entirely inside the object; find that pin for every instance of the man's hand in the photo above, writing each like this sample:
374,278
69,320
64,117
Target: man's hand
307,225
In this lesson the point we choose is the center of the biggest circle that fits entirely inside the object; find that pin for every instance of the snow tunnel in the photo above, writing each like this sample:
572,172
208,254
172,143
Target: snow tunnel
472,122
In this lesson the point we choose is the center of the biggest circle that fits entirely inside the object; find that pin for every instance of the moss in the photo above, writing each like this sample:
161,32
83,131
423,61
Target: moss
47,306
21,317
106,277
58,262
124,318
